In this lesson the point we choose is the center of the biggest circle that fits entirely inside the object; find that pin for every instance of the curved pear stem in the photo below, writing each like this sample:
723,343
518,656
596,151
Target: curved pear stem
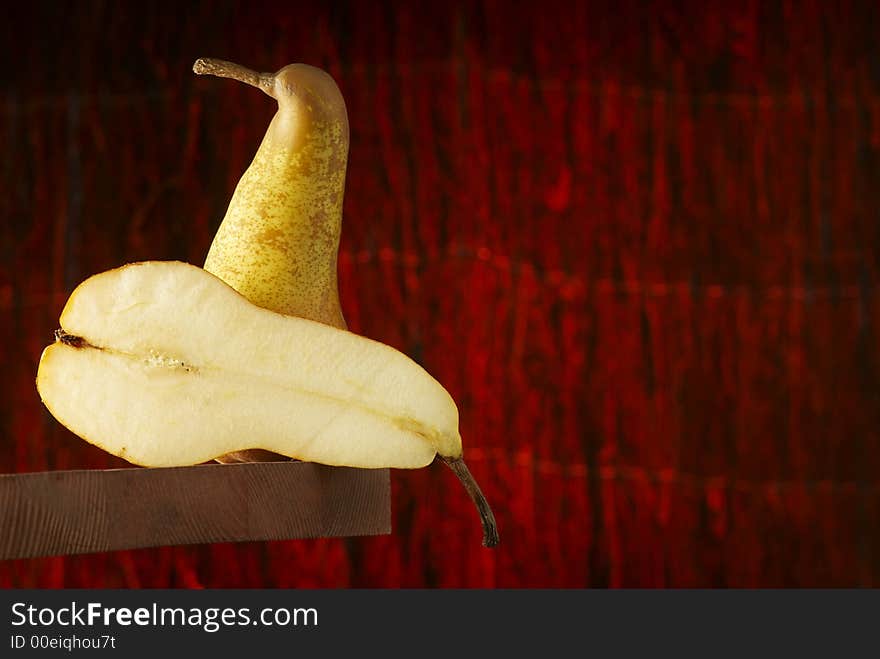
490,529
223,69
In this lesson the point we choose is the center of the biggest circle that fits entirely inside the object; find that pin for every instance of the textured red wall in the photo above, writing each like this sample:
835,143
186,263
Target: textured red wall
637,243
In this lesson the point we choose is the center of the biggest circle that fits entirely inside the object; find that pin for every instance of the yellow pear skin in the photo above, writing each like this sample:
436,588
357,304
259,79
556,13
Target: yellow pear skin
278,243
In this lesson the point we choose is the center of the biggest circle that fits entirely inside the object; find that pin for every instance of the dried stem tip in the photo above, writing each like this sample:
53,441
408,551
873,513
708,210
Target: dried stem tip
223,69
490,529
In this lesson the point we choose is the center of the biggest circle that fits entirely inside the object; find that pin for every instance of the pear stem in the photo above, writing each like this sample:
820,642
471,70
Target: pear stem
490,529
223,69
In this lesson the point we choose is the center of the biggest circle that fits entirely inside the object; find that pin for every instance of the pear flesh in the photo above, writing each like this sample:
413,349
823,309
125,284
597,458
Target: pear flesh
163,364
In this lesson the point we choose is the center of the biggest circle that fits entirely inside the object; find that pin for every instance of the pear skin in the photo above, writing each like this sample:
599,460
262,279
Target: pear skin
278,243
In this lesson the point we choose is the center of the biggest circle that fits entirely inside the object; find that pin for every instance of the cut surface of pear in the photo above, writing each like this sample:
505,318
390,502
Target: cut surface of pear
163,364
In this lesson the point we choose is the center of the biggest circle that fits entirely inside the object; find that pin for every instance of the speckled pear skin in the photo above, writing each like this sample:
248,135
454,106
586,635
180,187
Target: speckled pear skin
278,243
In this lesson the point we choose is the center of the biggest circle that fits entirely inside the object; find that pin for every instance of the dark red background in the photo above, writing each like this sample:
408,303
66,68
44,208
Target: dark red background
637,241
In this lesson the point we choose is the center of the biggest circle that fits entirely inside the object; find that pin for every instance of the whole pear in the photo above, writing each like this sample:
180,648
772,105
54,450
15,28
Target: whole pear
278,243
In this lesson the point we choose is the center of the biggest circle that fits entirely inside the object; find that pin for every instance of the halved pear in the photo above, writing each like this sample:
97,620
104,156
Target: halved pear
163,364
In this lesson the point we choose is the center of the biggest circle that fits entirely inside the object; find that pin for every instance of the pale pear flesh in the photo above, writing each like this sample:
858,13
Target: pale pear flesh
163,364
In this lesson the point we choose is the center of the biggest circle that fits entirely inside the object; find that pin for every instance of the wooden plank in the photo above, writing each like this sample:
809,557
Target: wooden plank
83,511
